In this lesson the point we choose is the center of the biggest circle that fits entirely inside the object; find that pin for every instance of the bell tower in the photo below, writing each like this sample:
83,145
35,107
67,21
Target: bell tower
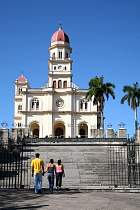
60,62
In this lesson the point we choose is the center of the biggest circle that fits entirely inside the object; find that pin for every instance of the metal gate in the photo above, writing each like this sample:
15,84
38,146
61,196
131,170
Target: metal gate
111,165
124,165
14,166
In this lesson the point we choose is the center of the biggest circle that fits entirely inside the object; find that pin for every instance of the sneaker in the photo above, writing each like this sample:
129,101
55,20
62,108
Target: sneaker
51,190
39,191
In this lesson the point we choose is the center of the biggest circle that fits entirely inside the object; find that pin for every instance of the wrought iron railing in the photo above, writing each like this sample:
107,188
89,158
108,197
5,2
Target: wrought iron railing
14,166
114,165
124,165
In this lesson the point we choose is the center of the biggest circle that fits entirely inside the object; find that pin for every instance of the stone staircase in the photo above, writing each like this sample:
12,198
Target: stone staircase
86,166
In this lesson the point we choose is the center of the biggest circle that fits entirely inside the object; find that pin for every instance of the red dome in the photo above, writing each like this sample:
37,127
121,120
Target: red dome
22,79
60,35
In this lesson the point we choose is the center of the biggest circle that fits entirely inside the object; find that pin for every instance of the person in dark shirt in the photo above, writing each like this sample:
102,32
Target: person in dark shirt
50,169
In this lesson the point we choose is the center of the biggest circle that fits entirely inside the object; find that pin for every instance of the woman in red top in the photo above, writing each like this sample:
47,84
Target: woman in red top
59,170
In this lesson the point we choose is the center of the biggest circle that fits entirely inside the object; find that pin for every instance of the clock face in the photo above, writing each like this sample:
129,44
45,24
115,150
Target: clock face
59,102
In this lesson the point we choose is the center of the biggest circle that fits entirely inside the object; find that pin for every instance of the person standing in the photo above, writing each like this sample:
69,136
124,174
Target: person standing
37,166
50,174
59,170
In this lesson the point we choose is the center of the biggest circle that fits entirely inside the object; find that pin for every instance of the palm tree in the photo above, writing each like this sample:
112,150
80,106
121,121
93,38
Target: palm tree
100,91
132,96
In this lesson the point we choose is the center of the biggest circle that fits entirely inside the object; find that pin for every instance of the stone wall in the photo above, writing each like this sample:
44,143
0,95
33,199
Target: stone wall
138,136
4,135
18,133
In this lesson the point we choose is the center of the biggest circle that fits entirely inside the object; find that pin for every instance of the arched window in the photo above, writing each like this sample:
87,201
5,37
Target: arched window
19,124
54,67
19,107
53,56
81,104
54,84
60,54
59,84
65,84
86,105
35,104
19,91
65,68
67,55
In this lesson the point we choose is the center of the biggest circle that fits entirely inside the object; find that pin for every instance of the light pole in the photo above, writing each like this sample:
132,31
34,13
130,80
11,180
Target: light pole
4,124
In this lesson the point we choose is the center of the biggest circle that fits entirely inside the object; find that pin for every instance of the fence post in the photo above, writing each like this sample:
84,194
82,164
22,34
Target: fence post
21,159
131,158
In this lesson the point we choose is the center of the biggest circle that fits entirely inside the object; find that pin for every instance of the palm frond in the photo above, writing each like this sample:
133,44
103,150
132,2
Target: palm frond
124,98
132,97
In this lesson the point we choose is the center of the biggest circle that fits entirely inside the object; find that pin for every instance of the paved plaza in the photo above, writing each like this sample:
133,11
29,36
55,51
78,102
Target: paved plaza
69,200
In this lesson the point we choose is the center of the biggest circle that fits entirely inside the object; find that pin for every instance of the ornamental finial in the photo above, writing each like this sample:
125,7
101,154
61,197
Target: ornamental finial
60,26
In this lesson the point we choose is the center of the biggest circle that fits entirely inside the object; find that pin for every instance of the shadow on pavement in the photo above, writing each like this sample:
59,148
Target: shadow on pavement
8,199
25,207
27,199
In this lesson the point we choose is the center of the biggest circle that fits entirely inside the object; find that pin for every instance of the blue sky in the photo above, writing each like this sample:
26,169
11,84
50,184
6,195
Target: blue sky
104,35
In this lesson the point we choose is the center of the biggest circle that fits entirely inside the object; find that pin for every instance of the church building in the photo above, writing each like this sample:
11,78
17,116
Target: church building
60,108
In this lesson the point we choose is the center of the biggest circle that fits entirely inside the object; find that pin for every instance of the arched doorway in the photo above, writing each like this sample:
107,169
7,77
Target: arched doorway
83,130
34,128
59,130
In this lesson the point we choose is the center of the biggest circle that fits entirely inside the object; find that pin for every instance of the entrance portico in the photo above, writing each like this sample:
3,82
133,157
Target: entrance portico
59,129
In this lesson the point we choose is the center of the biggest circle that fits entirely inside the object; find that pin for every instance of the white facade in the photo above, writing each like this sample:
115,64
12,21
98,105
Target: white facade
59,108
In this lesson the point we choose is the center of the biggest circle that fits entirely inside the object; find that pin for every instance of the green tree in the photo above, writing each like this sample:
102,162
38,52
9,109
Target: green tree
99,91
132,97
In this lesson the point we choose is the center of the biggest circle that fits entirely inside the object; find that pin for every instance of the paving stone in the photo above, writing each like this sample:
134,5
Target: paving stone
69,200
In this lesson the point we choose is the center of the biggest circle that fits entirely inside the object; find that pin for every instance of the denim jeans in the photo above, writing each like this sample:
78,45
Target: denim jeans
51,181
38,182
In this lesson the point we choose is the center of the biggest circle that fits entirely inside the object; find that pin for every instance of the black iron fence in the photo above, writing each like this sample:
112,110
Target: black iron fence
14,166
124,165
114,165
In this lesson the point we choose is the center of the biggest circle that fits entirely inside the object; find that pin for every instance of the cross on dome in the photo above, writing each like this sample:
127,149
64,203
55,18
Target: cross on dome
60,27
